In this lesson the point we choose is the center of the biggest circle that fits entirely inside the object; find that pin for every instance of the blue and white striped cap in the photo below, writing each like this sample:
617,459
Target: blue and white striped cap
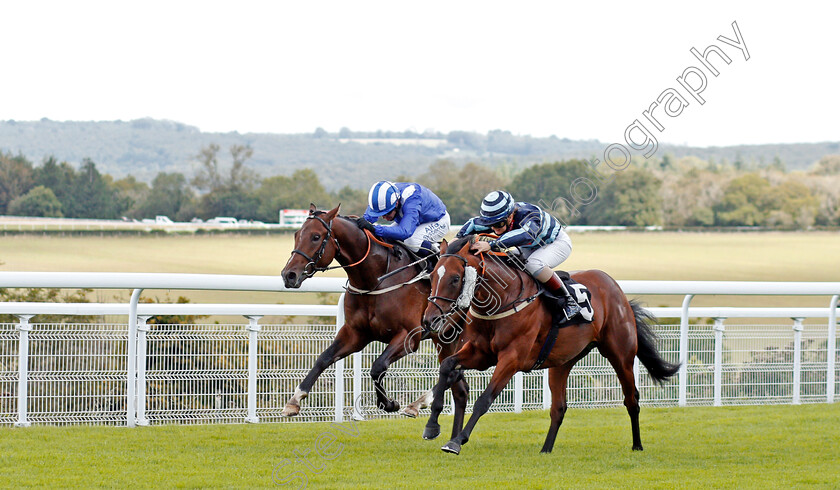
495,207
383,198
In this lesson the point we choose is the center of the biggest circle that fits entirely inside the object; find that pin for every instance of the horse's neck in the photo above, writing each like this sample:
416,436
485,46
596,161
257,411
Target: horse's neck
370,263
502,284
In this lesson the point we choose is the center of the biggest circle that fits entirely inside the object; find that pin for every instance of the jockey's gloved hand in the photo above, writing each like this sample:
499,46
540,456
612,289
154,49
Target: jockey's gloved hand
365,224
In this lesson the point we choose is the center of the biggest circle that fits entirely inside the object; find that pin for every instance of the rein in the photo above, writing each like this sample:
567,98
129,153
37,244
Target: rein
514,306
312,267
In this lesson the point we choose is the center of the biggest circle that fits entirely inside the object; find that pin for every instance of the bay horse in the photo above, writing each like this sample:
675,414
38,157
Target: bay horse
387,311
507,326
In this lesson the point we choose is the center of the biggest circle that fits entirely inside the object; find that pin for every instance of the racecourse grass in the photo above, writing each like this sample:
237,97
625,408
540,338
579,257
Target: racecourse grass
700,447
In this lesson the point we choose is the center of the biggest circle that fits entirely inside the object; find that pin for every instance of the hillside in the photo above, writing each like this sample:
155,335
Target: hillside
144,147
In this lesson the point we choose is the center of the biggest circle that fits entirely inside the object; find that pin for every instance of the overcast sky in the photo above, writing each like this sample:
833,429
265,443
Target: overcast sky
540,68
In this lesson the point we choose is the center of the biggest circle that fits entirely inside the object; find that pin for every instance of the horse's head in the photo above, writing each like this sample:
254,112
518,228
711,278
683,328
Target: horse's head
315,247
453,282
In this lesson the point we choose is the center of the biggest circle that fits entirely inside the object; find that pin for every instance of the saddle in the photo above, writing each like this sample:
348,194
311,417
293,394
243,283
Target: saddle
581,295
557,303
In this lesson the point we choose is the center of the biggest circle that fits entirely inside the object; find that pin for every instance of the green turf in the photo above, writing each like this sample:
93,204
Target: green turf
728,447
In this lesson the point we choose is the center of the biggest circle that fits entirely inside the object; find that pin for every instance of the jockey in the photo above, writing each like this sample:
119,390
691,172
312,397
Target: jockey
539,236
419,217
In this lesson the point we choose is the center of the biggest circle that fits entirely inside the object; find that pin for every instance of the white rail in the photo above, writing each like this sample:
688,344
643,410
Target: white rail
138,313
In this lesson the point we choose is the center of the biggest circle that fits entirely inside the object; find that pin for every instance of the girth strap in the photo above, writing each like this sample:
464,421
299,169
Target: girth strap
547,345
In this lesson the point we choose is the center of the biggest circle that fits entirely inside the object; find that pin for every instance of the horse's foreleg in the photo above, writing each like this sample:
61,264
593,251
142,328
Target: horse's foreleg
460,394
505,370
557,380
396,350
448,375
346,342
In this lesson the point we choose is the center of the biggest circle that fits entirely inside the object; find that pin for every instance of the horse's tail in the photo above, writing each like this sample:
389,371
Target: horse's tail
658,368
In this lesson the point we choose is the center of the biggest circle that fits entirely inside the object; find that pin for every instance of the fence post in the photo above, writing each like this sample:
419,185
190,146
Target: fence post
683,375
357,386
546,390
131,368
142,328
518,391
832,348
797,359
339,366
23,368
253,331
719,329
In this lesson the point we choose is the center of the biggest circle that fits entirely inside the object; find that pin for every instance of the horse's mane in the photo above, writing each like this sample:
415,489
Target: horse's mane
459,243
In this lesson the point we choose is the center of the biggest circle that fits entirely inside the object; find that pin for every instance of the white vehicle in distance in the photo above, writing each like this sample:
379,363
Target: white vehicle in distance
159,220
222,220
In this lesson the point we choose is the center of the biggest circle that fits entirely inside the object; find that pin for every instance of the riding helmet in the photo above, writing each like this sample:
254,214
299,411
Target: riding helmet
495,207
383,198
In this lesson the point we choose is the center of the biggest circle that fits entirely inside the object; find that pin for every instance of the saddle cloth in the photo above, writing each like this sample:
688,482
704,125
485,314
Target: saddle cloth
583,297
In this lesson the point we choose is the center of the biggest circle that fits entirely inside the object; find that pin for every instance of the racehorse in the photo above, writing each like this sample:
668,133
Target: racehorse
388,310
508,326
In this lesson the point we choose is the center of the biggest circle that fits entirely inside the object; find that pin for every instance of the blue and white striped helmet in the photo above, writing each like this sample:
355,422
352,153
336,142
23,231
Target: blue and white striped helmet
383,198
495,207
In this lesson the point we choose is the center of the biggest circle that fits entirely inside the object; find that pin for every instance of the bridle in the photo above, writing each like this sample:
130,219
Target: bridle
464,295
312,267
464,300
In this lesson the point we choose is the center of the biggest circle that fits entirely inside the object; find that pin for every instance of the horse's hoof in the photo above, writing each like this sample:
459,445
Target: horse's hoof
451,447
638,448
291,410
390,406
431,432
410,411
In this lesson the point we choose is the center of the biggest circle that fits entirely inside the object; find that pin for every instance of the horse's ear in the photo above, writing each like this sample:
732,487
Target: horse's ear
312,209
468,244
333,212
443,246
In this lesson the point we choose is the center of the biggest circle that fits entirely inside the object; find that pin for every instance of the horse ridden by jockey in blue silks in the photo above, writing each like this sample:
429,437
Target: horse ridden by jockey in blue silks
419,217
539,236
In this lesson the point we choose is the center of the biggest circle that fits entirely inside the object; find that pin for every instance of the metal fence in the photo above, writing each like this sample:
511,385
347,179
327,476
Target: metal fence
233,373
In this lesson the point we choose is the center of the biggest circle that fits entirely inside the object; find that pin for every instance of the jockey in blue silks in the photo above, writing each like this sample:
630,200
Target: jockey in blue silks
539,236
419,217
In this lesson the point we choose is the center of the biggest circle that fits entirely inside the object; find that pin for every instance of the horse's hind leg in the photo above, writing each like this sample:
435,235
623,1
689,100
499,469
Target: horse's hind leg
623,365
346,342
558,378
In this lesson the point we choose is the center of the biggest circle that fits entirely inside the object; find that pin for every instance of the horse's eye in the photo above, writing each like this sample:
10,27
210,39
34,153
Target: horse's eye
456,279
316,237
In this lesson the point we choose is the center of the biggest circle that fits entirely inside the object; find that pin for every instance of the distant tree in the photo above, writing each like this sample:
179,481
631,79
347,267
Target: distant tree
828,165
320,133
39,201
743,201
169,196
461,189
231,194
208,177
631,199
295,192
134,190
549,185
353,201
211,177
16,178
93,197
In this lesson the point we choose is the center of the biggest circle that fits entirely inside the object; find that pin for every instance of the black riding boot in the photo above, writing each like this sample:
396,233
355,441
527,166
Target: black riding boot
565,303
430,250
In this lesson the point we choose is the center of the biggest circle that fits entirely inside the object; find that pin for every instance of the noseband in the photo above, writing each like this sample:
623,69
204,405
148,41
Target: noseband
467,290
312,266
